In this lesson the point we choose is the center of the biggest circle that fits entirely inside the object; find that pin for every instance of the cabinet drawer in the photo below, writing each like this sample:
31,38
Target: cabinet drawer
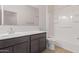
6,50
37,36
21,48
13,41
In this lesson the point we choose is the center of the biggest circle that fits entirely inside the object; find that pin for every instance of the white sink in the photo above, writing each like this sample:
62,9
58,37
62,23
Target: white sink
17,34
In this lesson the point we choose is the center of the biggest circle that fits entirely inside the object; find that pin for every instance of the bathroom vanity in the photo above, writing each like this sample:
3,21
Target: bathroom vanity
27,43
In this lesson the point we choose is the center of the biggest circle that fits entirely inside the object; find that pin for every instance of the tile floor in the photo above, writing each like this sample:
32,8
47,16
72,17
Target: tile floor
57,50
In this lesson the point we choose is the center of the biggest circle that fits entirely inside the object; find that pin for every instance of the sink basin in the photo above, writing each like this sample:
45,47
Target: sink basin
5,34
16,34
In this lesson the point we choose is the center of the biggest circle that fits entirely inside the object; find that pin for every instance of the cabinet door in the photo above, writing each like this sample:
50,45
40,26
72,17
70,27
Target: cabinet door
35,46
42,44
6,50
21,48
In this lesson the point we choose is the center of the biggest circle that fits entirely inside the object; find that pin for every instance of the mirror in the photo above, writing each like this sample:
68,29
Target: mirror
10,18
21,15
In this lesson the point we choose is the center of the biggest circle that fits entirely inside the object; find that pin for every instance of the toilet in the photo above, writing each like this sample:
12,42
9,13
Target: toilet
50,44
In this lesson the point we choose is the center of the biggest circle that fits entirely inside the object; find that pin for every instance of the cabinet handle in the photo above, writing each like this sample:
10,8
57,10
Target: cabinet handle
4,51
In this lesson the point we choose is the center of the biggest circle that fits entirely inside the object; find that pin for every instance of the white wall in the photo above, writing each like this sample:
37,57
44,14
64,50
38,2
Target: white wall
66,26
26,15
42,17
0,14
46,19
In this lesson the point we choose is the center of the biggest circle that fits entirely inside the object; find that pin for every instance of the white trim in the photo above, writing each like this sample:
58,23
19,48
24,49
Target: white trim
2,12
47,21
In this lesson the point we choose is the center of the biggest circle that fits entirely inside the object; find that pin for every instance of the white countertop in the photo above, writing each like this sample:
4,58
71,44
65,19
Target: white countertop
18,34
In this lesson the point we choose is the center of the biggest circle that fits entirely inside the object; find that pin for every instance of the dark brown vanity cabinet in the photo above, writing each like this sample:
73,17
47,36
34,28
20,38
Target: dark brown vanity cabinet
15,45
25,44
38,42
35,46
42,44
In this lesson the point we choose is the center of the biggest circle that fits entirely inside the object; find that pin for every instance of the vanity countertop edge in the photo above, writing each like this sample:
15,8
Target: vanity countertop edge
19,34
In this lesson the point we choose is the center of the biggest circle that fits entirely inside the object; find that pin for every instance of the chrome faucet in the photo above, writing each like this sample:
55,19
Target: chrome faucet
11,31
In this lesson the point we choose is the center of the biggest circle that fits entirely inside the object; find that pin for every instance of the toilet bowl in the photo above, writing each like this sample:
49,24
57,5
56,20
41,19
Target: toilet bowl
51,44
